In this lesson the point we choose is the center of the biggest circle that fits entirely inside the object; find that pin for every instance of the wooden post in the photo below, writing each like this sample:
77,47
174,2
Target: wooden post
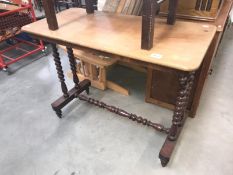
89,6
171,18
198,4
50,14
77,3
148,19
60,72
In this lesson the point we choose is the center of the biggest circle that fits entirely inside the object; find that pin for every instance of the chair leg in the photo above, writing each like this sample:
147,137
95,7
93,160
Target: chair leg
171,18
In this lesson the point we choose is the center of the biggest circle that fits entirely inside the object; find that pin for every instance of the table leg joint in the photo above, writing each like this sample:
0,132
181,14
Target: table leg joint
72,94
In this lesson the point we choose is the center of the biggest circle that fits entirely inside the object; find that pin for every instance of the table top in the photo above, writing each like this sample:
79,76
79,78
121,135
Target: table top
4,6
181,46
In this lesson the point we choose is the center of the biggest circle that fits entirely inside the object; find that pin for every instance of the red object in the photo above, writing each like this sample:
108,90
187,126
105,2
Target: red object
6,60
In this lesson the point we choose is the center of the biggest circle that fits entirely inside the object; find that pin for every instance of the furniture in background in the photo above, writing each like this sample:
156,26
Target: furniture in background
72,3
159,81
58,4
93,66
64,4
14,15
180,56
126,7
207,10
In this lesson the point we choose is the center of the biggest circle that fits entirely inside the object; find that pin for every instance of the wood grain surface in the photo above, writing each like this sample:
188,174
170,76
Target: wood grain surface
182,46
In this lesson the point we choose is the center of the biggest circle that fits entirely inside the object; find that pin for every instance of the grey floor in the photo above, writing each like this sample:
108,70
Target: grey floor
90,141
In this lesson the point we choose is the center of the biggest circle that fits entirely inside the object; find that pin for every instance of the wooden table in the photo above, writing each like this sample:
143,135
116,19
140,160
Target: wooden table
179,48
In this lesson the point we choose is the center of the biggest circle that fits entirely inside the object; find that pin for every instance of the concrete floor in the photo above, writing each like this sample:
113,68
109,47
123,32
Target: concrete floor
90,141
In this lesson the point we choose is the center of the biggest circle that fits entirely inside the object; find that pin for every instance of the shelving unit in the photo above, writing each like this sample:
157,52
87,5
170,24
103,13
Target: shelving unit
12,18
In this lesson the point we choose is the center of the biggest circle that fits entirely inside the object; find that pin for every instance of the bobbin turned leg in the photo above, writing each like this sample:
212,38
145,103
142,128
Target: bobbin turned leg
186,83
61,77
79,86
185,100
179,107
73,66
74,69
60,73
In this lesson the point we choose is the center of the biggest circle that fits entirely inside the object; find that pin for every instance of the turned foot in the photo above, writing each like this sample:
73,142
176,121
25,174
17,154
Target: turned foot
58,112
173,137
164,160
87,91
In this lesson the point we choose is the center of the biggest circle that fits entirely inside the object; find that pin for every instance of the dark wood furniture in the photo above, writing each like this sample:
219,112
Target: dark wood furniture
159,83
181,52
206,10
60,4
72,3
